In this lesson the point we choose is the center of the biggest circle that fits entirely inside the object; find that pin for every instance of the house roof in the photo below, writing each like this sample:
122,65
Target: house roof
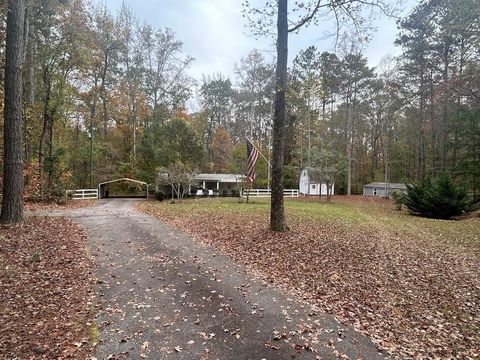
382,185
223,178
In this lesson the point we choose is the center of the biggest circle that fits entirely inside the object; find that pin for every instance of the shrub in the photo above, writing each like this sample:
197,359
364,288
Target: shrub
439,198
397,199
159,195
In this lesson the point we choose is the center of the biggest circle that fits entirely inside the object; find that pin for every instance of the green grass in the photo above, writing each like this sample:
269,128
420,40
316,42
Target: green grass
380,215
94,334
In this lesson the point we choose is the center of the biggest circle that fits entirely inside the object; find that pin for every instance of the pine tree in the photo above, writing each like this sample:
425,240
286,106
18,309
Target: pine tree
12,201
439,198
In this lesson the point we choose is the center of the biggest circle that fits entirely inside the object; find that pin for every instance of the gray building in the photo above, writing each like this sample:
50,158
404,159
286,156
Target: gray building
380,189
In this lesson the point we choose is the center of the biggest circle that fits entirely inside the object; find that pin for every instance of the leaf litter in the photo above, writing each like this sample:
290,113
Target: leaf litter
414,289
46,291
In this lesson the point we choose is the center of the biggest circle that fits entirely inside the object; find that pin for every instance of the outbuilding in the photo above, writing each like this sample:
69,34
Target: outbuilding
138,188
382,189
309,185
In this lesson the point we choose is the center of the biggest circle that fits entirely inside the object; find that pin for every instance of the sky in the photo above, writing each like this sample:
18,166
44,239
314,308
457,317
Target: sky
215,33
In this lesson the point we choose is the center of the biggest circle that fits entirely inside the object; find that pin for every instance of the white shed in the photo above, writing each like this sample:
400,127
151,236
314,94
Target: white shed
310,186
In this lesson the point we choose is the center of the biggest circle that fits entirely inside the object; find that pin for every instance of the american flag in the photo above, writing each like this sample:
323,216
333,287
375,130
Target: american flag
252,156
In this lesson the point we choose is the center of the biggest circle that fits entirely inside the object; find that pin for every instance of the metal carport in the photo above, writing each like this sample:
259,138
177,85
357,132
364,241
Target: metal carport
102,186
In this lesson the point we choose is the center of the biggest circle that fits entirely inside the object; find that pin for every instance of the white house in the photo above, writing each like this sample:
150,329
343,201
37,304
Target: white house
310,186
218,184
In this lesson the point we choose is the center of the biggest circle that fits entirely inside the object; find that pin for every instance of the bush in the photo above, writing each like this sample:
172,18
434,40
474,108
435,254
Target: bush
439,198
397,199
159,195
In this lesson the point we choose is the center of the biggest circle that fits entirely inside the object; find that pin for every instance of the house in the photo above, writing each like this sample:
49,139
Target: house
380,189
218,184
309,185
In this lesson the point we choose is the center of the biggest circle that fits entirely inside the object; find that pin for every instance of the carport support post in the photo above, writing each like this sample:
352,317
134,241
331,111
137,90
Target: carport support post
218,188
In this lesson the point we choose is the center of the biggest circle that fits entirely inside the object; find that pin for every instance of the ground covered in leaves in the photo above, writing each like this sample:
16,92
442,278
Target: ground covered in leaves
46,286
412,284
52,205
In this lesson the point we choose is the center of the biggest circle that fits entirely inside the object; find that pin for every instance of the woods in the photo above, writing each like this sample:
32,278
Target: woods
107,96
103,112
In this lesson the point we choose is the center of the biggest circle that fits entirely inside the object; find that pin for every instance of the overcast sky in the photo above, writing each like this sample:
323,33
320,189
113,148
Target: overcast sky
214,32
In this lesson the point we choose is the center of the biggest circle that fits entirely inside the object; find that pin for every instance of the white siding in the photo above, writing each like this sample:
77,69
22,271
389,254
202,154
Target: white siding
315,188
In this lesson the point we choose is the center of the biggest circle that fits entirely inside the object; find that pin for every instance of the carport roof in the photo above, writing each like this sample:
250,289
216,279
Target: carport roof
123,179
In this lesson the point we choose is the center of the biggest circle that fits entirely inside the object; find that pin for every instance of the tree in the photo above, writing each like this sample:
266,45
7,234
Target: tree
277,210
356,78
325,166
305,71
439,198
254,97
168,141
12,201
310,12
221,149
216,99
177,175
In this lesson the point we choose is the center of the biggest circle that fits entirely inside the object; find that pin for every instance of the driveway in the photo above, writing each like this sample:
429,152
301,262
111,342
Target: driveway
163,295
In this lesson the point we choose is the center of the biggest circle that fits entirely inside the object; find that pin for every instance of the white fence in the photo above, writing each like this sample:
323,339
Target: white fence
83,194
264,193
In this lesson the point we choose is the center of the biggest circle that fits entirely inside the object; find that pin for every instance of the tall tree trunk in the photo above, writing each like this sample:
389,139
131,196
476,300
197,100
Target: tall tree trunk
458,106
93,114
47,115
12,201
421,132
29,84
277,210
349,147
50,154
103,88
444,124
134,118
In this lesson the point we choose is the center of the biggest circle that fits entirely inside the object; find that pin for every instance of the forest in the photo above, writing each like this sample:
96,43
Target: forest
108,96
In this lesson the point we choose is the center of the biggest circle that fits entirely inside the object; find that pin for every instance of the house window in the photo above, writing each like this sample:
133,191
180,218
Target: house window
313,186
375,191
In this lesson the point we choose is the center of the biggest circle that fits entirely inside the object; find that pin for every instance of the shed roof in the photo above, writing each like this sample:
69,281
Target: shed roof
382,185
223,178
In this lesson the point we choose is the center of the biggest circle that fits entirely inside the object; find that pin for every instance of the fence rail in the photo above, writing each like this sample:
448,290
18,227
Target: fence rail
264,193
83,194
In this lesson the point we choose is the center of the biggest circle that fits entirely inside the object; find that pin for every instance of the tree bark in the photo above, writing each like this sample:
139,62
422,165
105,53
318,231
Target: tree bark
29,81
444,119
421,136
47,120
104,95
93,114
277,211
349,147
12,201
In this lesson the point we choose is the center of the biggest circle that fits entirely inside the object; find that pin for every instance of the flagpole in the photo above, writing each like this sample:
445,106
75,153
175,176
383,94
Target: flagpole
268,162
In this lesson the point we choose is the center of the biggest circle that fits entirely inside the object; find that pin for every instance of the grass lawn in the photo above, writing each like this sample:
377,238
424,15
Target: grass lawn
410,283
